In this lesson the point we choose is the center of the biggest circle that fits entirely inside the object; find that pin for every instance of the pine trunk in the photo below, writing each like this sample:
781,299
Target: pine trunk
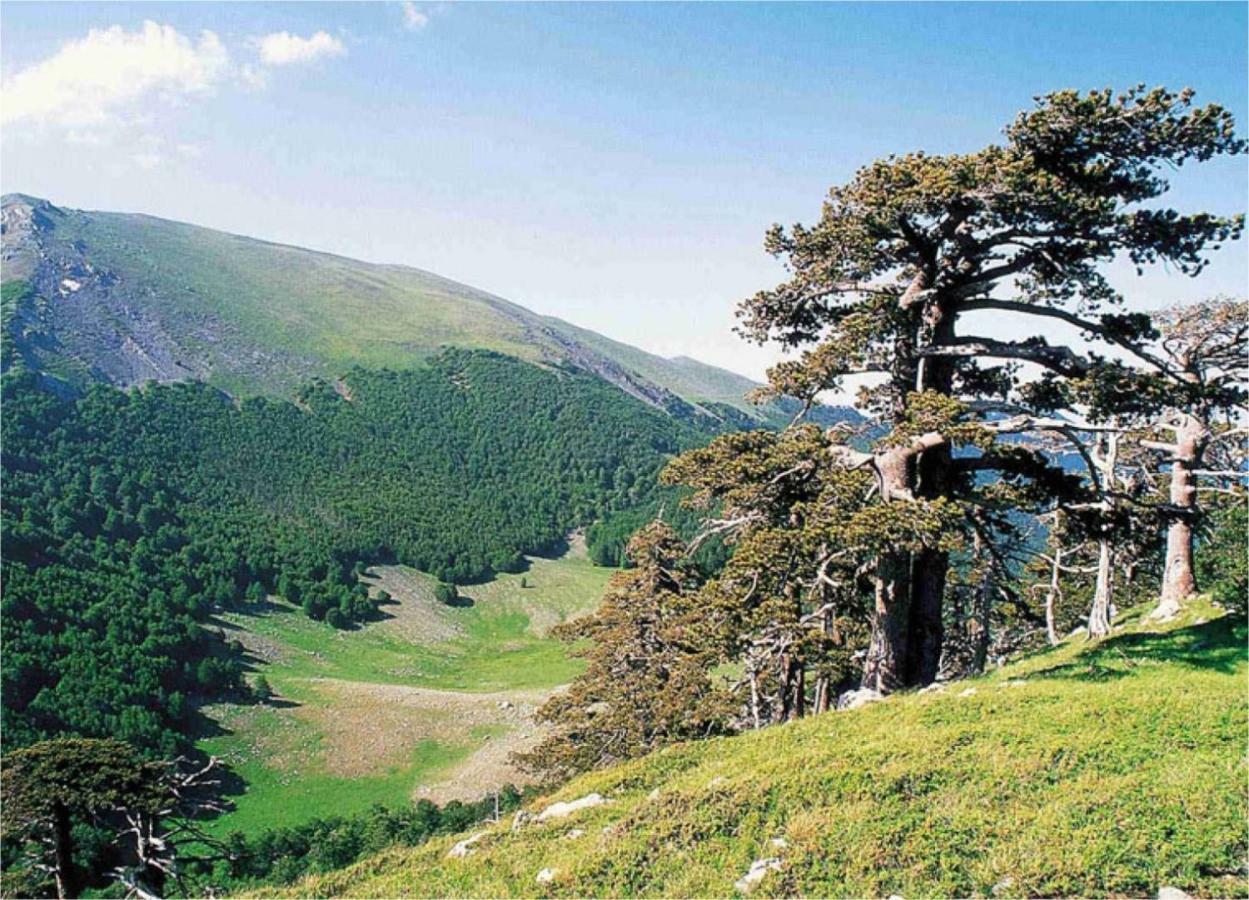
884,669
1051,597
1179,580
1103,594
927,629
1099,615
63,848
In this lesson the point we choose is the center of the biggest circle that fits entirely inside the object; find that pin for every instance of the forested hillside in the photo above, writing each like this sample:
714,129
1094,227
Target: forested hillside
131,516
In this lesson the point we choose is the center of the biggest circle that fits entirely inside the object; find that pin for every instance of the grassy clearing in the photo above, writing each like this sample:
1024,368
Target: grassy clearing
379,715
1094,769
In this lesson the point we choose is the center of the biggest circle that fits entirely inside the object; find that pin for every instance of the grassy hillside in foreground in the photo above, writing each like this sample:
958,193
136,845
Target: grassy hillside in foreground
1106,769
407,707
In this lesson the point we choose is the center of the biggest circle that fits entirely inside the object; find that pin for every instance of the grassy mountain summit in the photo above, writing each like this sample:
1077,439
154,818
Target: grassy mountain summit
1107,768
131,298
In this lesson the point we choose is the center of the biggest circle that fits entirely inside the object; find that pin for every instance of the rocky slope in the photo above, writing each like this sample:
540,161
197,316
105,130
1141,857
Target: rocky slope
128,298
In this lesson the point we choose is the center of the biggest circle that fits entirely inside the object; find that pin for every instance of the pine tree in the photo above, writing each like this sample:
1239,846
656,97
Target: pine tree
648,679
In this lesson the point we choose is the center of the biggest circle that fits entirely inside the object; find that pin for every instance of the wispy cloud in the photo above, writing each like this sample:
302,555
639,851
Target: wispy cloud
110,72
281,48
413,18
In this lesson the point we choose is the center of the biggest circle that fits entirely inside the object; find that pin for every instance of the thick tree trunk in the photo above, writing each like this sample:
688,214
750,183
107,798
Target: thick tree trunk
886,666
1179,581
928,573
62,836
884,669
933,479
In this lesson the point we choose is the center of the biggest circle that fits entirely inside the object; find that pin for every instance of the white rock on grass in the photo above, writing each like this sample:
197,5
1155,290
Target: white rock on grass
1170,893
561,810
779,843
546,876
521,819
855,699
465,847
574,834
968,692
758,871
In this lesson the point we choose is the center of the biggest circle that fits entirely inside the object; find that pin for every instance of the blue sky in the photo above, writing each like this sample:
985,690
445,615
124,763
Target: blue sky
612,164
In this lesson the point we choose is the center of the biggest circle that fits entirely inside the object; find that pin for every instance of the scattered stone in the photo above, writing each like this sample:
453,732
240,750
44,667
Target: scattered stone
521,819
779,843
896,897
1002,886
1171,893
560,810
967,692
935,688
505,704
465,847
1018,682
574,834
1075,631
855,699
653,795
758,871
717,781
546,876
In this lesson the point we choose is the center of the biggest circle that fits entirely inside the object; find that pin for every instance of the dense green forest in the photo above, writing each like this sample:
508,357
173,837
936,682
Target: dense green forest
130,517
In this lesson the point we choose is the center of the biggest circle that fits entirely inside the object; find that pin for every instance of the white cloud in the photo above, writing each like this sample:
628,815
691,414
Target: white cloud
282,48
254,78
413,18
106,74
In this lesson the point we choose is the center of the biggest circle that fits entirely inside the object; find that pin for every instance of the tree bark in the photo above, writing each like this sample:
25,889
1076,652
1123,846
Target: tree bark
886,666
928,573
933,479
928,577
1051,596
1103,594
1099,615
884,669
62,835
1179,580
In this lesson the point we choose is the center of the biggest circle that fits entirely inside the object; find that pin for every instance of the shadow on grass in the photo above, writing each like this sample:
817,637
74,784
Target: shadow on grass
1217,646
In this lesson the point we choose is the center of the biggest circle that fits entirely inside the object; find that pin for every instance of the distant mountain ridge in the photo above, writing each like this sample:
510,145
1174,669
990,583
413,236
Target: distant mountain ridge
127,298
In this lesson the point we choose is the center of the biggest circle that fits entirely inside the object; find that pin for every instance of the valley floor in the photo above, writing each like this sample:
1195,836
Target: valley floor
429,702
1114,768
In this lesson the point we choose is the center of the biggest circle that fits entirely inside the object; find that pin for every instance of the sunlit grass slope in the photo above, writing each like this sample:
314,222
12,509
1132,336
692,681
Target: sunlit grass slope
1094,769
